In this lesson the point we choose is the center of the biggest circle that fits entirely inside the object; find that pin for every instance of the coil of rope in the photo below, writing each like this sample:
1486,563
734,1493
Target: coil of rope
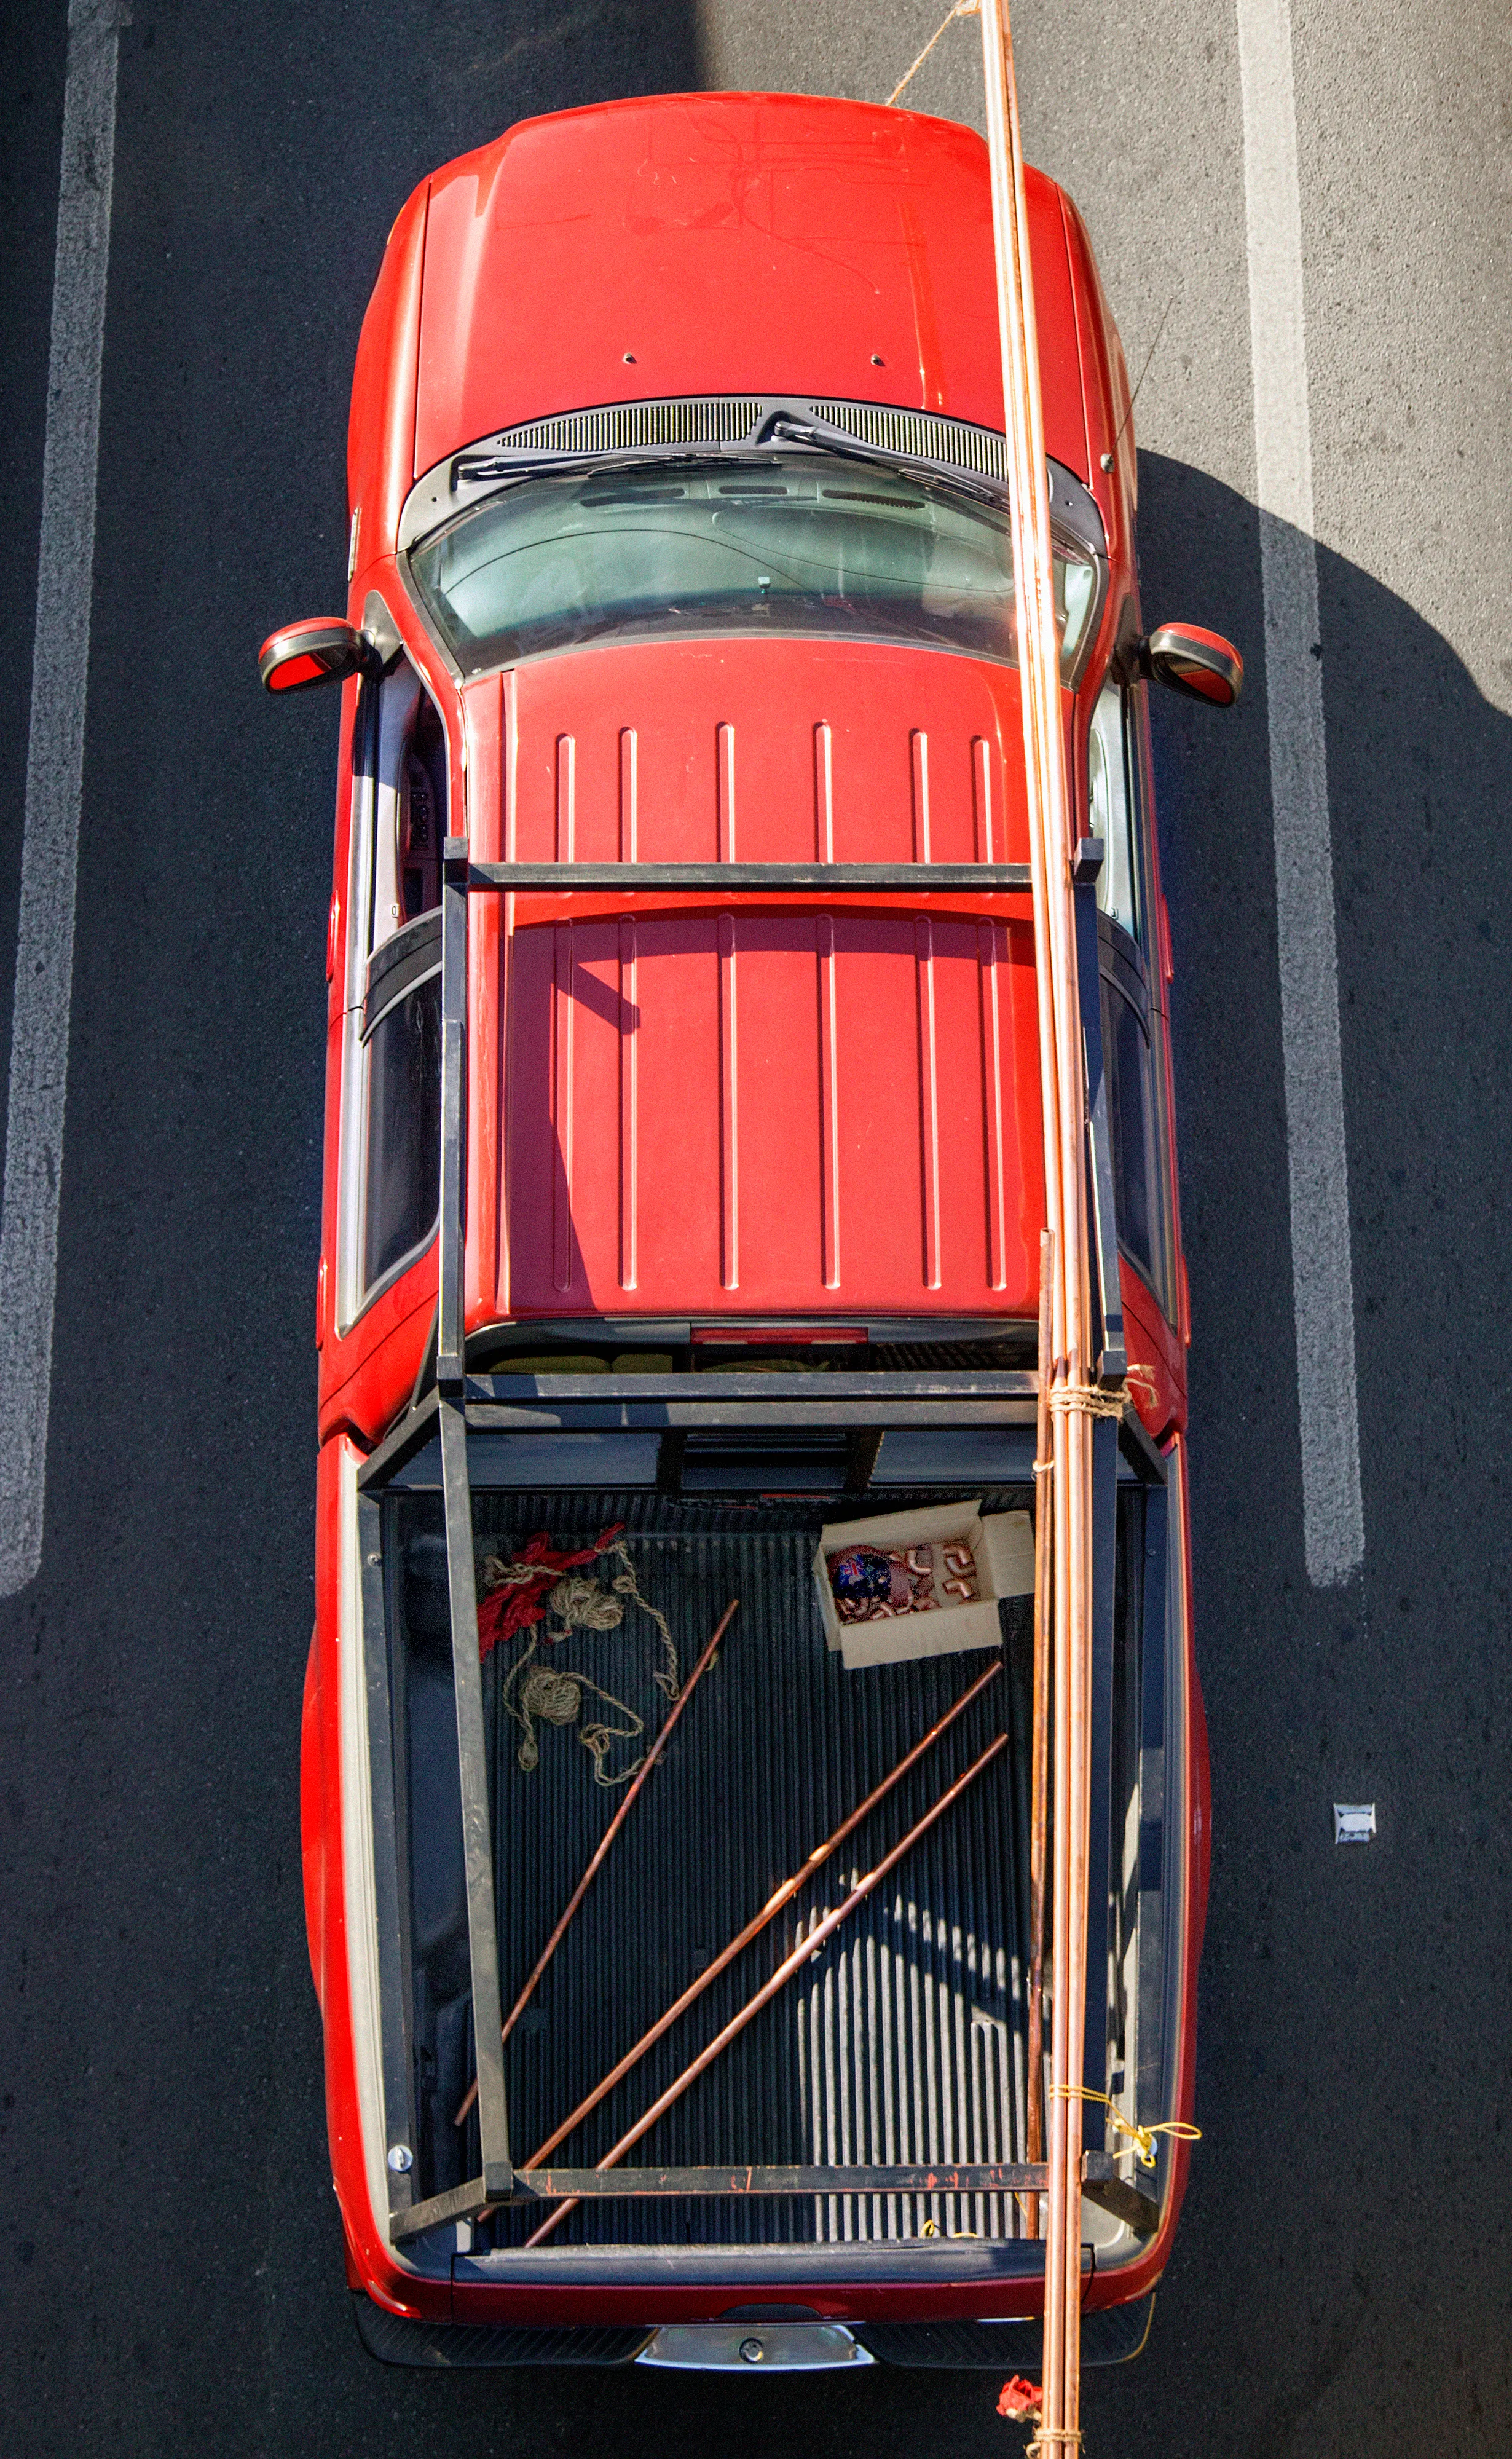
578,1601
582,1605
555,1697
1097,1401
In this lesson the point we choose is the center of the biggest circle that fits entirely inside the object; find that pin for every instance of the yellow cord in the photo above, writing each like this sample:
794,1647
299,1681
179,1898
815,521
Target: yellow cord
1143,2138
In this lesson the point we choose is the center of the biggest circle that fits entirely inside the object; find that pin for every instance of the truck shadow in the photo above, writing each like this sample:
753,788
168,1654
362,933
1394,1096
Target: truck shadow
1420,767
1327,2024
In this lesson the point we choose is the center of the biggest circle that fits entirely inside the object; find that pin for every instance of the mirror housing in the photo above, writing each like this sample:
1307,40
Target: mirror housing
324,650
1202,665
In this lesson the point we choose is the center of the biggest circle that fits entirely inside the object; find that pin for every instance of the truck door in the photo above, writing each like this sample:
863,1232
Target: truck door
385,1055
1130,948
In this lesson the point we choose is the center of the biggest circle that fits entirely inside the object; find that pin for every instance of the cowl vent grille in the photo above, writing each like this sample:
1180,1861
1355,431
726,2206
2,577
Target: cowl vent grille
734,423
634,424
918,435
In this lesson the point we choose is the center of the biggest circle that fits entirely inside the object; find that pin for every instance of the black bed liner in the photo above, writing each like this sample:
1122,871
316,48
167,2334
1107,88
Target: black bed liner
903,2042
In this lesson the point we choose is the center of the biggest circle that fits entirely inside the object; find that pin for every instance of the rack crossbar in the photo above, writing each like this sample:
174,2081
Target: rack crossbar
753,878
1099,2170
995,2178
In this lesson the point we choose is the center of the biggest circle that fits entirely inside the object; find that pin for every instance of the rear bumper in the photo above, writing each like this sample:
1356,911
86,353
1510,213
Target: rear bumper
1109,2337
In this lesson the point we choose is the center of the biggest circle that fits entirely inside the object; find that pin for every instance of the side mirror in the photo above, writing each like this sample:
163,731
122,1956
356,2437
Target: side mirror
1202,665
324,651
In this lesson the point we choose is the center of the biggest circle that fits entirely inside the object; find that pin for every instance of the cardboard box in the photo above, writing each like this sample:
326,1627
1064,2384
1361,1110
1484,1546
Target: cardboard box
1002,1551
1010,1552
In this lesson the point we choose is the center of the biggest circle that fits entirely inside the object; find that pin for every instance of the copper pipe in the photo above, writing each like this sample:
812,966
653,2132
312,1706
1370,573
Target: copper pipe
1064,1115
607,1838
769,1913
803,1953
1039,1745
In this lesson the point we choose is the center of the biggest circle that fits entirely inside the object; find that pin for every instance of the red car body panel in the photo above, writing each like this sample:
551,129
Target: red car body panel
380,445
723,244
794,1066
829,1115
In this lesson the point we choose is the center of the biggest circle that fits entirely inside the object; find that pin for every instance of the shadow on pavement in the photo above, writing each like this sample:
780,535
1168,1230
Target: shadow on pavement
1351,2051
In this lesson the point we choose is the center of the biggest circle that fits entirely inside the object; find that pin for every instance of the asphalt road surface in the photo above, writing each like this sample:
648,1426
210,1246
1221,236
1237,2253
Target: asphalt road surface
170,2260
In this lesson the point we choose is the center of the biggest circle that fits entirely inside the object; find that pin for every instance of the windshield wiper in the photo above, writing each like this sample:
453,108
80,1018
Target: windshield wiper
1073,511
782,427
787,427
478,469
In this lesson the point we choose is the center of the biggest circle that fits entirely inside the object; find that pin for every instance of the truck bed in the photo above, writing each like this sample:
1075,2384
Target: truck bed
903,2041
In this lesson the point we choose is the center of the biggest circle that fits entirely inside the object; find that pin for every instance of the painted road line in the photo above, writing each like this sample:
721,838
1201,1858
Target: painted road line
1322,1273
29,1211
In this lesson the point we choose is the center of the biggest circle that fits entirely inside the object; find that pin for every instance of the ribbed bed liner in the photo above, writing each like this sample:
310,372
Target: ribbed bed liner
904,2040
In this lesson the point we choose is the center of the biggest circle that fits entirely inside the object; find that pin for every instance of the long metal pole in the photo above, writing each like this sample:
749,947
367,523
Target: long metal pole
602,1850
477,1833
803,1953
1063,1084
765,1918
1039,1728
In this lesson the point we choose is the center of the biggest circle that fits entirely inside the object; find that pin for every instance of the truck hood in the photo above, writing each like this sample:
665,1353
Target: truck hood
728,244
796,1109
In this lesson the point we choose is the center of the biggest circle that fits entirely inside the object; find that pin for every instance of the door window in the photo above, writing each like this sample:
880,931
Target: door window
391,1096
1116,812
1113,806
422,804
408,803
403,1155
1129,1061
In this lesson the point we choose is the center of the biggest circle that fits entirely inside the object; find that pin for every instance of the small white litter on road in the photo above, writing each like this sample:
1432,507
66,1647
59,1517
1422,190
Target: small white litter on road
1354,1822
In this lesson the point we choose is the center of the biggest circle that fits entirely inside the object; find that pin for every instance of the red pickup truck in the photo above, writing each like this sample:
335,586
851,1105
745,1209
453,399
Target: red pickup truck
683,1198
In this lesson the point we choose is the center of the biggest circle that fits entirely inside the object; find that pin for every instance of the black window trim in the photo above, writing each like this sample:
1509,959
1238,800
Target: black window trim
427,965
396,1271
402,1264
1120,961
1126,980
1132,971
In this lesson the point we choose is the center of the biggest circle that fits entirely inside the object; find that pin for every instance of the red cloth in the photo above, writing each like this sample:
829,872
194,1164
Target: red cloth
515,1606
1018,2398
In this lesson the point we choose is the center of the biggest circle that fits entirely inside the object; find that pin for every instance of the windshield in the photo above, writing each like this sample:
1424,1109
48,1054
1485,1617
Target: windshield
788,544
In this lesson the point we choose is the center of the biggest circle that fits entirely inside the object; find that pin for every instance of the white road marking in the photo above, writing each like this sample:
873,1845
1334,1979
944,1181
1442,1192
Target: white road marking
1334,1518
29,1214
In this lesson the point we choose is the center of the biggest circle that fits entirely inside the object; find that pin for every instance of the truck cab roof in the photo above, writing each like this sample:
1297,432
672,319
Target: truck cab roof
796,1108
